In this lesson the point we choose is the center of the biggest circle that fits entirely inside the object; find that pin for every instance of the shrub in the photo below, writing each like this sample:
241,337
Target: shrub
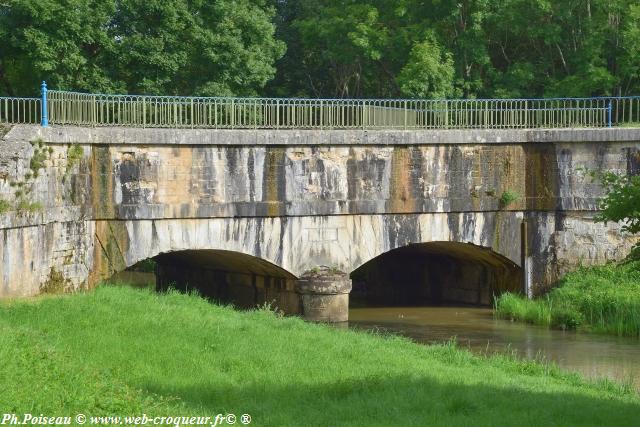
509,197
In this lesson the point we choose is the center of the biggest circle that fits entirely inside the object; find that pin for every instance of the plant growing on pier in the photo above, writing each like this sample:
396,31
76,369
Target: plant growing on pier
36,163
74,154
27,206
25,186
621,202
508,197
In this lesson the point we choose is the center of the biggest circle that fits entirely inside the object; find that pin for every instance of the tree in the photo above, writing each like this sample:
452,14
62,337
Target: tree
428,72
358,48
341,43
199,47
63,41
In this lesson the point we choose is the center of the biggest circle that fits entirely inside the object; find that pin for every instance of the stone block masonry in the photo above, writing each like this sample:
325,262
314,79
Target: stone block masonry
79,204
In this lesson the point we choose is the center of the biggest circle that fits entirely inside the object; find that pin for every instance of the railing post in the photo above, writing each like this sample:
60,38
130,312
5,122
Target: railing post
446,114
405,114
94,111
609,111
233,114
44,121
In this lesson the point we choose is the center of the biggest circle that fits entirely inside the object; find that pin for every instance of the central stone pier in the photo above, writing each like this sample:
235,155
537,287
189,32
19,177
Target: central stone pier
325,294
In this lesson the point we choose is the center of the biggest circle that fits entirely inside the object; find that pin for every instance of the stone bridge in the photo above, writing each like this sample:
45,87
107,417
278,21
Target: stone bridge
298,218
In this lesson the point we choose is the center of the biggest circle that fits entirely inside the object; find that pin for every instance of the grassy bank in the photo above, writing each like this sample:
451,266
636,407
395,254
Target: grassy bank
120,351
601,299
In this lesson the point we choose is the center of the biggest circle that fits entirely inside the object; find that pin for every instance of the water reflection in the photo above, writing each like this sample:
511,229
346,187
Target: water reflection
595,356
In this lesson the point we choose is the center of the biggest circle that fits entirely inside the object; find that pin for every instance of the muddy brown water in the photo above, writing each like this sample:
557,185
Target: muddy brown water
595,356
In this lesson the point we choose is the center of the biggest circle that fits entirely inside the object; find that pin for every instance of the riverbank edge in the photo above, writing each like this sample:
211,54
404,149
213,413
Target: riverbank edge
598,299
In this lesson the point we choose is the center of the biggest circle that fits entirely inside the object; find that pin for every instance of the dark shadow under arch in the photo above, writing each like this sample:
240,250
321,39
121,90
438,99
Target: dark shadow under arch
230,277
222,260
435,273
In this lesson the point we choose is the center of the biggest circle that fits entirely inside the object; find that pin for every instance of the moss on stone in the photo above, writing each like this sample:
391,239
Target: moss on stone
102,182
55,283
37,161
508,197
74,154
4,206
27,206
4,129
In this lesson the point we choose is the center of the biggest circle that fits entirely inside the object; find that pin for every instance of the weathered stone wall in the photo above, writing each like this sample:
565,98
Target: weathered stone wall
104,199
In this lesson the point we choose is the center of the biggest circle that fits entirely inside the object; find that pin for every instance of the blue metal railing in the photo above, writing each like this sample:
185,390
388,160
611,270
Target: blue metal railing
83,109
44,121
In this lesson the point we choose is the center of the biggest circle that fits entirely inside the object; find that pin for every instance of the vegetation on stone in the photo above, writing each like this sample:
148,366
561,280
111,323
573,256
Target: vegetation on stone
74,155
508,197
28,206
123,351
600,299
621,202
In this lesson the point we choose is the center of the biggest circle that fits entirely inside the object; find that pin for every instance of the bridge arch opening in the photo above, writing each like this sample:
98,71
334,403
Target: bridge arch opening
435,273
227,277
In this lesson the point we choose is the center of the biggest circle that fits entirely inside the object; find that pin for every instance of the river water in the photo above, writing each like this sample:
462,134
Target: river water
595,356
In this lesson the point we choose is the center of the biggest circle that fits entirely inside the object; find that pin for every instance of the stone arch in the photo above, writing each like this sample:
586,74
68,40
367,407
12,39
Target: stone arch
437,272
121,244
371,236
301,243
221,258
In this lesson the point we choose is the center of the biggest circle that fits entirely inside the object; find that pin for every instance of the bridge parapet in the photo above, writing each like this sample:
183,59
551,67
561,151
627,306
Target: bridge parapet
90,109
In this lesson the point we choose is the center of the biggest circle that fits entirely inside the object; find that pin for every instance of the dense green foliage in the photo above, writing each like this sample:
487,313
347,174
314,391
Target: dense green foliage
152,46
471,48
621,202
334,48
118,351
601,299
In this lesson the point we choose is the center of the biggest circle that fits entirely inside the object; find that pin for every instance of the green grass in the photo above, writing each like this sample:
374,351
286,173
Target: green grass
121,351
601,299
